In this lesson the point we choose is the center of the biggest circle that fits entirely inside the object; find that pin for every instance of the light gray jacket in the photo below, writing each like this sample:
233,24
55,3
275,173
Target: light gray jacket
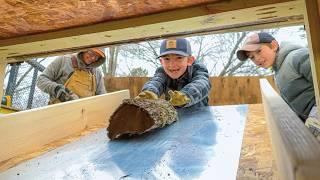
294,79
59,71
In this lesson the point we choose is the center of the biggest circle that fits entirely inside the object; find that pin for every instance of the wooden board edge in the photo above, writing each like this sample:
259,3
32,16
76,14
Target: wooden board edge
25,131
295,148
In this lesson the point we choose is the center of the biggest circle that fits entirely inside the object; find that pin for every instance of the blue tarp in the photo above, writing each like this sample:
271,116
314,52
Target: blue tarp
204,143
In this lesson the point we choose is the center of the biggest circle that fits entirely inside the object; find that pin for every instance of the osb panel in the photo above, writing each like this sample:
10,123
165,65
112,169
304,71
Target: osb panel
319,6
23,17
256,158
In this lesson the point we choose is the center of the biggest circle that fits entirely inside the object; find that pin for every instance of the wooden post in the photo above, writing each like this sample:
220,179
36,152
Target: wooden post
312,23
3,65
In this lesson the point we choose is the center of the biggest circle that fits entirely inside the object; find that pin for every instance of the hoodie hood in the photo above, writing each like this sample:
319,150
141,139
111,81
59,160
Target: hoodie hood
284,49
96,64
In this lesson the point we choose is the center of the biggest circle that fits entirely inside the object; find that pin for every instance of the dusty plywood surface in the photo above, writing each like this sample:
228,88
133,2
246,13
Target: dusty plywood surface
22,17
256,159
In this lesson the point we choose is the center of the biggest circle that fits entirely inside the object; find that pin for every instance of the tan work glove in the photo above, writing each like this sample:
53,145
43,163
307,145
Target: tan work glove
178,98
147,95
74,96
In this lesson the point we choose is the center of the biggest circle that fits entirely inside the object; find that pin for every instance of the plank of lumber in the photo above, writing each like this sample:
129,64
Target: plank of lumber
297,151
256,159
25,131
312,24
3,65
225,15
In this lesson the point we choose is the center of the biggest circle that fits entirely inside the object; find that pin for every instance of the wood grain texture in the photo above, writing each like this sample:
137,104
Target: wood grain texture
217,17
256,158
25,131
224,91
312,21
3,66
4,165
138,116
29,17
296,150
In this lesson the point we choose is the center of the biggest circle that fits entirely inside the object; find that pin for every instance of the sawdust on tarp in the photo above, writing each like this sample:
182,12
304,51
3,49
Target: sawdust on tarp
4,165
256,158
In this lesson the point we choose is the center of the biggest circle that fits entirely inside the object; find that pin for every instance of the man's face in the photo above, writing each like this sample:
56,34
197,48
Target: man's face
264,57
176,65
90,57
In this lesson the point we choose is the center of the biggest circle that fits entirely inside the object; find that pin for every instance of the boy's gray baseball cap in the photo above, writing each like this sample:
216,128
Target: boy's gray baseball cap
253,43
178,46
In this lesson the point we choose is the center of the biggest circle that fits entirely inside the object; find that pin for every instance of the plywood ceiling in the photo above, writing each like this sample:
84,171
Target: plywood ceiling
25,17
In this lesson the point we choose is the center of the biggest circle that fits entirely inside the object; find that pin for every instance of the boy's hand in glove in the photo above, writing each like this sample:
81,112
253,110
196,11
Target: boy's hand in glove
178,98
64,94
147,95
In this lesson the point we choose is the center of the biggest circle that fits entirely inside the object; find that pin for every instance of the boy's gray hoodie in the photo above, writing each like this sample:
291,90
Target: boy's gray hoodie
294,79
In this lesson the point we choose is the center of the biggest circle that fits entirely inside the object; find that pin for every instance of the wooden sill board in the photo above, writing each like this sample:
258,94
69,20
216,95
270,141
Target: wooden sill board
26,131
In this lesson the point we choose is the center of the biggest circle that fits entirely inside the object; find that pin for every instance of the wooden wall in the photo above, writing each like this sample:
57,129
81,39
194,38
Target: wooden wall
224,91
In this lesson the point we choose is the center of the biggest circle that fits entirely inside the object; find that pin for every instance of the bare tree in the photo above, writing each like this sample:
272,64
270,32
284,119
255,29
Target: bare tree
216,51
112,54
144,51
138,72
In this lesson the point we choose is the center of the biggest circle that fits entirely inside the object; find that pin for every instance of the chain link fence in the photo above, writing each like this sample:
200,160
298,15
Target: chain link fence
20,84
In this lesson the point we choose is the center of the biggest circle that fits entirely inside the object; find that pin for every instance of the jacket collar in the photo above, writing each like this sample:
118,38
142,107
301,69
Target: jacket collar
284,49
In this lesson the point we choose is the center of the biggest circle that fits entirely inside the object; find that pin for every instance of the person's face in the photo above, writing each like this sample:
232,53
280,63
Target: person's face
265,56
176,65
89,57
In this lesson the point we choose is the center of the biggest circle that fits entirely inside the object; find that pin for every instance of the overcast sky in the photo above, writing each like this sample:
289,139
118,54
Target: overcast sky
292,34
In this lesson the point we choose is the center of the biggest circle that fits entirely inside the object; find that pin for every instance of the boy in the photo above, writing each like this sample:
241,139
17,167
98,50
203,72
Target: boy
292,71
73,76
184,82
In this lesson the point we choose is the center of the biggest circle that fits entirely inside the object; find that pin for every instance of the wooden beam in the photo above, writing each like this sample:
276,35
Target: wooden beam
312,23
29,130
205,18
296,150
3,66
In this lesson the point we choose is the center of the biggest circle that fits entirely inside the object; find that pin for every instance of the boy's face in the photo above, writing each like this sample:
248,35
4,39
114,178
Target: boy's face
265,56
176,65
89,57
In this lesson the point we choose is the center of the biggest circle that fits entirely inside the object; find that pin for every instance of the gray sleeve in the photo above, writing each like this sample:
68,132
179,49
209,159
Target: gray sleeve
157,83
100,83
200,85
47,80
301,64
